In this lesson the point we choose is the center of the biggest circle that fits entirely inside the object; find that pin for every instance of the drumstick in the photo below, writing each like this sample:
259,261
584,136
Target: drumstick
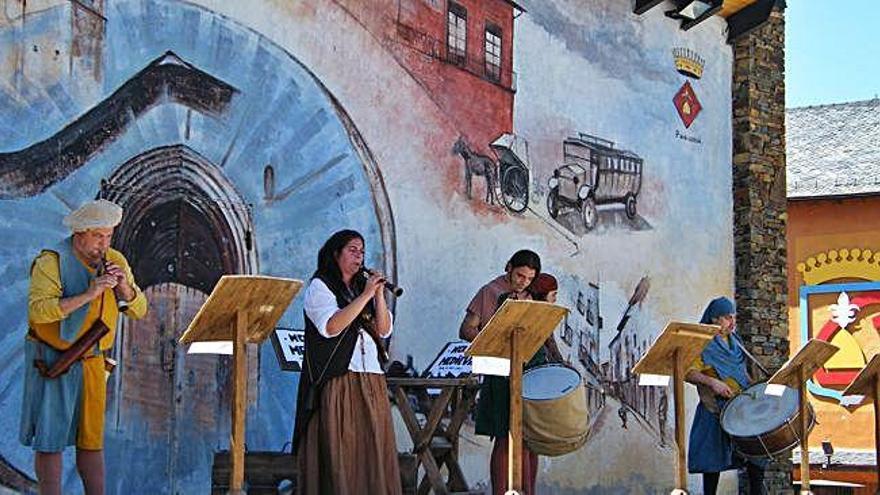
749,355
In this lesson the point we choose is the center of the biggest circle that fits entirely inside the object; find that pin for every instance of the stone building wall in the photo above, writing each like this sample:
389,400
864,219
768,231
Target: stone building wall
760,204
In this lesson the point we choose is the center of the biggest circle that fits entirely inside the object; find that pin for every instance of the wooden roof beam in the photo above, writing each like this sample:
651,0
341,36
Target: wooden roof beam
643,6
750,18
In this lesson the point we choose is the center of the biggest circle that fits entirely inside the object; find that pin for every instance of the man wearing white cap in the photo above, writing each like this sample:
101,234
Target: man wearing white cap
76,285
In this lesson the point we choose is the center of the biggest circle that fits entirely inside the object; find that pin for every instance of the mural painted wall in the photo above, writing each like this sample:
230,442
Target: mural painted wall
238,137
658,192
834,291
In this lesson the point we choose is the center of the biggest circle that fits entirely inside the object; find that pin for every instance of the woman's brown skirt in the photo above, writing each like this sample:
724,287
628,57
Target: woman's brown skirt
349,445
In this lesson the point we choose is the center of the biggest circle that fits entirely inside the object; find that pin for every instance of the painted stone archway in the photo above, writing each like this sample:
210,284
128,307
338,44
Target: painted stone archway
189,158
184,221
185,226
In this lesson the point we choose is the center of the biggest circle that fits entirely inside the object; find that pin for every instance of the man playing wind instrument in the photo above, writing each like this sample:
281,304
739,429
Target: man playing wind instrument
77,290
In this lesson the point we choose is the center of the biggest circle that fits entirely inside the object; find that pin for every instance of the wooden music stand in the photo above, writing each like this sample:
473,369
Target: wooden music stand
867,383
795,373
676,348
243,309
516,331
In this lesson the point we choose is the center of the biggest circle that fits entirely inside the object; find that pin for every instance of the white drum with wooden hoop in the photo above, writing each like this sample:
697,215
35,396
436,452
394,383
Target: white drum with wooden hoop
762,425
555,416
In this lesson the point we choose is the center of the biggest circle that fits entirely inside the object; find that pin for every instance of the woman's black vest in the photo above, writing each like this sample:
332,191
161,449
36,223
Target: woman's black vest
324,359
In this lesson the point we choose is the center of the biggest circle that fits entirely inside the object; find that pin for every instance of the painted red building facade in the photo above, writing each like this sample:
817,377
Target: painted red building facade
461,51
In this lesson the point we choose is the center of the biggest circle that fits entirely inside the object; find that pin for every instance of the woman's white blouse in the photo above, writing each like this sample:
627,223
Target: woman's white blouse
320,305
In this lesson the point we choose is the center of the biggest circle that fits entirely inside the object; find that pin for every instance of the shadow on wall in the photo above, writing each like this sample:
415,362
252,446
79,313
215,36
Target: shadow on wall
608,219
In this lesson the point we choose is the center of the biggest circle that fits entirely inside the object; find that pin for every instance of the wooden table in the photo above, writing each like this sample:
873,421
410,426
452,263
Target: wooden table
436,443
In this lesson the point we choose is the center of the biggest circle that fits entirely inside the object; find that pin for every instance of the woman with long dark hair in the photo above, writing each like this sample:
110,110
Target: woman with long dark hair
344,438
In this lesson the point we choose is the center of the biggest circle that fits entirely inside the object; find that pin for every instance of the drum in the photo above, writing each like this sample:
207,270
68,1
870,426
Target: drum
555,416
763,425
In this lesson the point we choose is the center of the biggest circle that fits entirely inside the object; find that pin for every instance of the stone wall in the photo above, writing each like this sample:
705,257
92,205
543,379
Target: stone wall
760,204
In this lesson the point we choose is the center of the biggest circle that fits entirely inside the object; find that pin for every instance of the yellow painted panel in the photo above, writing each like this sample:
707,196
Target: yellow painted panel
850,354
839,264
818,227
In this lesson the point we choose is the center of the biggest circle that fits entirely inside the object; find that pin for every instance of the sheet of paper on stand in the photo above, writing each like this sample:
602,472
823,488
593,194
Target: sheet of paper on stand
651,380
485,365
775,389
212,347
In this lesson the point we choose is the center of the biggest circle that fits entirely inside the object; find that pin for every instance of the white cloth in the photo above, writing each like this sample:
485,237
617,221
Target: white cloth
97,214
320,305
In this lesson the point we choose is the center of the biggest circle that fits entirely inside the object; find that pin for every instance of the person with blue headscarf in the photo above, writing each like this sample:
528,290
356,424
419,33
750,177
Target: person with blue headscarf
719,374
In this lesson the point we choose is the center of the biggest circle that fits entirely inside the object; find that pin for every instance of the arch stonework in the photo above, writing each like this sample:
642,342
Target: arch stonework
177,178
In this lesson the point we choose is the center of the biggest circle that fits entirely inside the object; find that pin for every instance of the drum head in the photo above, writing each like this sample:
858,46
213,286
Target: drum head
550,381
753,413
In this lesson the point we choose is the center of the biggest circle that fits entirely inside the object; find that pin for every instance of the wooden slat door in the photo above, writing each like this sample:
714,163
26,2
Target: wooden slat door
171,407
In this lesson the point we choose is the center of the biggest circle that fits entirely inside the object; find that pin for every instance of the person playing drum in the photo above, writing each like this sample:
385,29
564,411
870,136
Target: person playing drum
545,288
719,374
493,409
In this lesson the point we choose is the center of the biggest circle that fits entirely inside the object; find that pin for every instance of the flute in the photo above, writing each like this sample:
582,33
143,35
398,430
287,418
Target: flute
393,288
121,304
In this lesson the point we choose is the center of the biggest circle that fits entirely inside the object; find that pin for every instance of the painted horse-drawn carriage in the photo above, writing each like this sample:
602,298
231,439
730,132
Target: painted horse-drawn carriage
593,173
507,178
513,166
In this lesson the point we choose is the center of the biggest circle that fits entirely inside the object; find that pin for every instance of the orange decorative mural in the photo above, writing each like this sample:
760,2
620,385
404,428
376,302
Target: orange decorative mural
840,303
